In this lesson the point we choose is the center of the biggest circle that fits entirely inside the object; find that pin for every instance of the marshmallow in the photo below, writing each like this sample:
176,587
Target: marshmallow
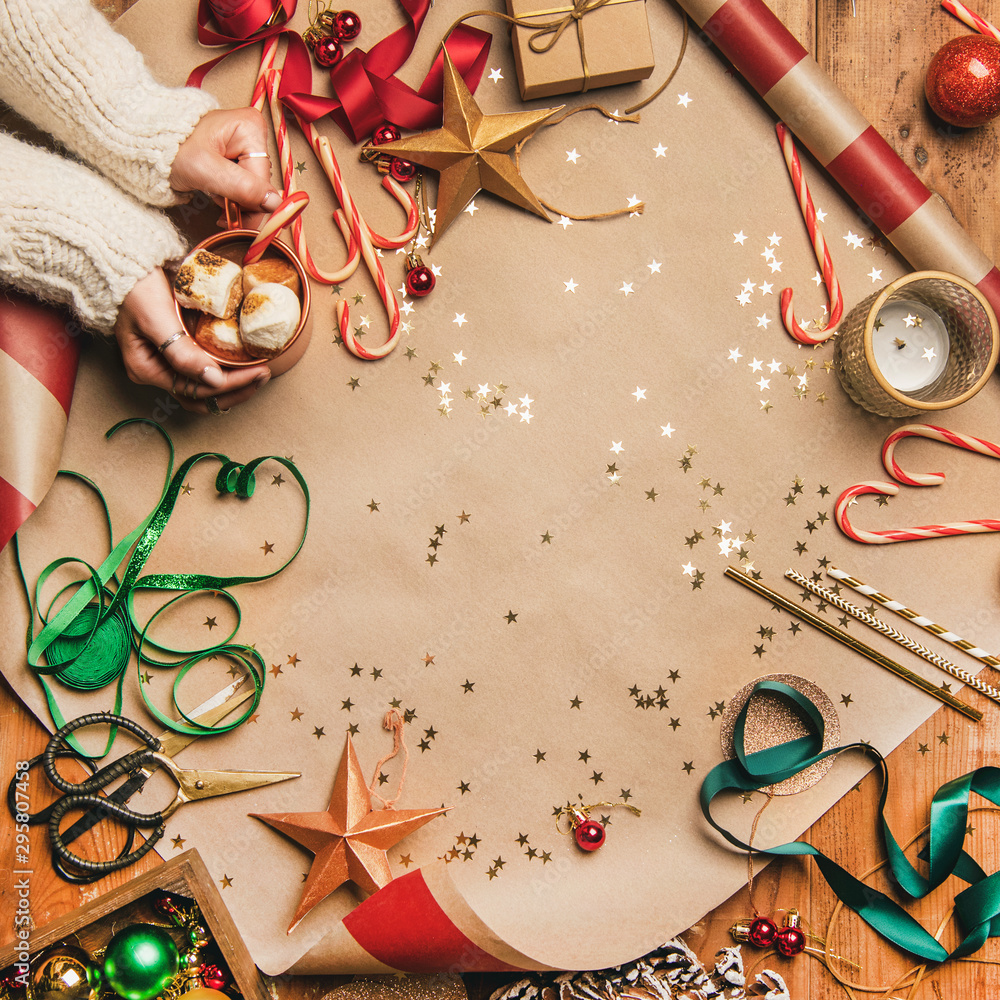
209,283
221,338
268,319
271,270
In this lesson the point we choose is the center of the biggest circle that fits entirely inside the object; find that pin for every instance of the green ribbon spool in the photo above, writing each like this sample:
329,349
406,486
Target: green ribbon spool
86,644
977,908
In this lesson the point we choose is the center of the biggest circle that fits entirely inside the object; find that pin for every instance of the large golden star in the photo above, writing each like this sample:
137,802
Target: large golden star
469,151
349,839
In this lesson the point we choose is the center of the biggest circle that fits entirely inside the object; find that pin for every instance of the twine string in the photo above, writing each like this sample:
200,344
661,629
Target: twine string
394,722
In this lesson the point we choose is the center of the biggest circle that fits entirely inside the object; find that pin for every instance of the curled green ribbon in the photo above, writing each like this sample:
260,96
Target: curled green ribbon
977,908
87,642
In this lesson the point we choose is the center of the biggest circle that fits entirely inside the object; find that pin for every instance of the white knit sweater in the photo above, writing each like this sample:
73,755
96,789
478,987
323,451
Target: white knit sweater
67,233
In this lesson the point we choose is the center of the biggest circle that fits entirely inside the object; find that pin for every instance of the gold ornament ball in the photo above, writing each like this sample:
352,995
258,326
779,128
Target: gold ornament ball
64,972
203,993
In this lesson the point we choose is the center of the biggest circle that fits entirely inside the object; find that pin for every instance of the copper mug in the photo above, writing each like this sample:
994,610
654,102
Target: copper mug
233,243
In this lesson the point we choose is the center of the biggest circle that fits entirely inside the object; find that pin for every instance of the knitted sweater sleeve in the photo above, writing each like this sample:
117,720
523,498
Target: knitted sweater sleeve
64,68
70,236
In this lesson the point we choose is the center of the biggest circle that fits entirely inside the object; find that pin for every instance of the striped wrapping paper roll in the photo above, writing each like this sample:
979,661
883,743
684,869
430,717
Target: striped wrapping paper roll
39,351
774,63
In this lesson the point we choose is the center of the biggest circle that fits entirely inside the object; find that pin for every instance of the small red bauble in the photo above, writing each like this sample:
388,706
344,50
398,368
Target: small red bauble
328,51
386,132
213,977
402,170
790,941
589,835
963,81
346,25
420,281
762,933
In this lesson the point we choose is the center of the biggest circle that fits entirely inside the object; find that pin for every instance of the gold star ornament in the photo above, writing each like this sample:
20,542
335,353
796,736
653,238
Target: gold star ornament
349,839
469,151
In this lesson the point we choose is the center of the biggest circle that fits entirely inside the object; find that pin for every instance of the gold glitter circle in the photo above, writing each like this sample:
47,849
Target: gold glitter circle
772,720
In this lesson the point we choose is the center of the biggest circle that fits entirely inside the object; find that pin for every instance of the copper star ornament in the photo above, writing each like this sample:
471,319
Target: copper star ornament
349,839
469,151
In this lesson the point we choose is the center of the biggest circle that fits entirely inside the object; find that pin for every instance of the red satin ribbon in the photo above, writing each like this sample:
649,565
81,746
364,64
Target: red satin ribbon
366,89
246,20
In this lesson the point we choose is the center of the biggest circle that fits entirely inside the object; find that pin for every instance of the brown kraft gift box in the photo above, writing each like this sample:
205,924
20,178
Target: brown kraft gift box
573,47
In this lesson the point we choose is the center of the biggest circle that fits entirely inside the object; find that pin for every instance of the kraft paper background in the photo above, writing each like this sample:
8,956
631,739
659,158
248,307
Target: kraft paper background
604,605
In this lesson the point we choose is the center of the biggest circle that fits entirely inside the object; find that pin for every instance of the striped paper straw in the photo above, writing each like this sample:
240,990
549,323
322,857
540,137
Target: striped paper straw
903,640
854,643
776,65
925,623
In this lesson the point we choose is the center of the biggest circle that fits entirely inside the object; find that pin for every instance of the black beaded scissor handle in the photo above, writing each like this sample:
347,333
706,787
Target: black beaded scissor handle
82,795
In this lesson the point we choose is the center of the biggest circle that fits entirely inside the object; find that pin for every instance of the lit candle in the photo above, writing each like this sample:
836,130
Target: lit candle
910,344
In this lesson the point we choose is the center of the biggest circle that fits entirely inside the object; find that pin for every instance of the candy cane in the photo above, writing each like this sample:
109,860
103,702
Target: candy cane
267,59
816,336
901,534
289,210
933,433
361,233
971,18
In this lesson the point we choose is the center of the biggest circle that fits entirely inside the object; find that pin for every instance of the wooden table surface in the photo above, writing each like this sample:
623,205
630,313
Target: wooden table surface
877,53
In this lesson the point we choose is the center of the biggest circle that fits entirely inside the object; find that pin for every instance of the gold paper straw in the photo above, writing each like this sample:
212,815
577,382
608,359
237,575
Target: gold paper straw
925,623
904,640
856,644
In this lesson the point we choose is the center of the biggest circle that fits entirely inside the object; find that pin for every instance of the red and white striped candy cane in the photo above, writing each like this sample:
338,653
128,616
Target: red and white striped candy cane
792,325
267,60
901,534
289,210
933,433
272,79
359,230
971,18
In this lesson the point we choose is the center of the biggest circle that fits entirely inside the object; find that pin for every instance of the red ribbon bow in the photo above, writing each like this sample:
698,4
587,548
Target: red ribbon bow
365,86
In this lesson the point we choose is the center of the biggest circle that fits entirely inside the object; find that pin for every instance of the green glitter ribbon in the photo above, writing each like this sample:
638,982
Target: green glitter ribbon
977,907
86,642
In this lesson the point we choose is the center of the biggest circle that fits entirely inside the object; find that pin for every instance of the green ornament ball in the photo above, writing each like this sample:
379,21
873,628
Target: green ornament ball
140,961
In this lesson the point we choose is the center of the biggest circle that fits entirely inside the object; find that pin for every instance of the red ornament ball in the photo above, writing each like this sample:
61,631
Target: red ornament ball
346,25
402,170
386,132
213,977
963,81
419,282
790,941
762,932
589,835
328,51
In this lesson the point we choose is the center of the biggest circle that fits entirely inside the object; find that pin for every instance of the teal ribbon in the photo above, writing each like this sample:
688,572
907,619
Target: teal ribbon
977,908
86,642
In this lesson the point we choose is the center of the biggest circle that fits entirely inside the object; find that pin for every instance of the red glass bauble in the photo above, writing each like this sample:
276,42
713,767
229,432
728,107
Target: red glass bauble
386,132
419,282
402,170
328,51
213,977
589,835
789,941
762,932
346,25
963,81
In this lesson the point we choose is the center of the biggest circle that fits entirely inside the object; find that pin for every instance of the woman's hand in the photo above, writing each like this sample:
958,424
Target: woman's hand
205,162
146,322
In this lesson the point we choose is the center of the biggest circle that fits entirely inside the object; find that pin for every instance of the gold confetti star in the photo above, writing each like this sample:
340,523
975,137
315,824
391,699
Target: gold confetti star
353,382
511,617
296,715
373,506
211,623
187,490
463,517
267,548
546,539
405,860
225,881
178,842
